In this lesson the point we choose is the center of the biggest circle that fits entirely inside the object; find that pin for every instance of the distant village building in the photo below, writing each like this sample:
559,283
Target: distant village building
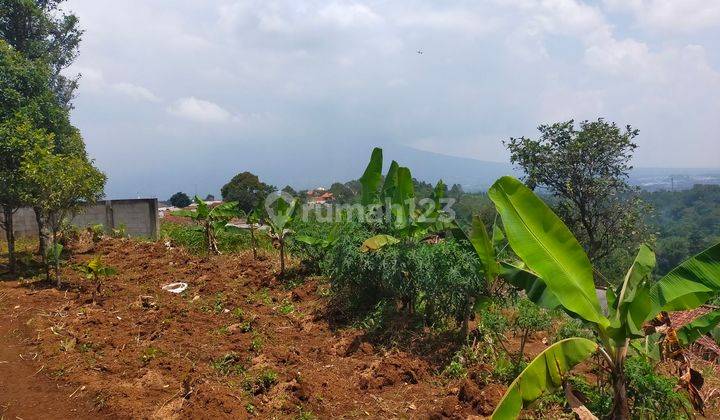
320,195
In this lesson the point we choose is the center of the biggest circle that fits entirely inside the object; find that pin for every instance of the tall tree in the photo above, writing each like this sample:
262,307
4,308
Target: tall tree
247,189
60,186
586,169
24,92
180,200
42,31
39,29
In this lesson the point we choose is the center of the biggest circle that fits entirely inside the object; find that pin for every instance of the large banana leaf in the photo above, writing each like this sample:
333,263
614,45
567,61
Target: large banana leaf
404,193
378,241
226,211
548,248
370,180
688,333
543,375
484,248
690,284
630,307
391,181
535,288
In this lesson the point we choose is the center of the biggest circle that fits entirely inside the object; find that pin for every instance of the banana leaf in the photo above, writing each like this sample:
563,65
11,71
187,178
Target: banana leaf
483,247
370,180
547,247
690,284
688,333
543,375
378,241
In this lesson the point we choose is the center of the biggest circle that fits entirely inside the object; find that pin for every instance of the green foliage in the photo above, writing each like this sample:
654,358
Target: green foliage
180,200
530,317
686,222
247,190
430,280
228,364
653,395
599,401
95,270
571,327
546,372
552,253
586,170
211,220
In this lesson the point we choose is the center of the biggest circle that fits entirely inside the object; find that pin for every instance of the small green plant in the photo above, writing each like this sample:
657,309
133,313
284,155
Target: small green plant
286,307
238,313
95,270
97,232
250,408
455,370
149,354
530,318
262,382
257,343
230,363
119,232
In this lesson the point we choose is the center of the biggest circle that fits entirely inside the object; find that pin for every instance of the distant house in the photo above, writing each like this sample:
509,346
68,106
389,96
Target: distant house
320,195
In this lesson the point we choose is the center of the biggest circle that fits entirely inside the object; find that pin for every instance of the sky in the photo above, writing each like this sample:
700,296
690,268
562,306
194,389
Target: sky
188,83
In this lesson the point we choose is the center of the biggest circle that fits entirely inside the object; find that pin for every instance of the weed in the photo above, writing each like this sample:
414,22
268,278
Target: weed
286,307
256,344
228,364
261,383
250,408
455,370
238,313
149,354
305,415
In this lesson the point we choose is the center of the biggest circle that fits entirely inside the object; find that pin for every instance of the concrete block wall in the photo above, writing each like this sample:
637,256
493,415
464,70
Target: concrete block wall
140,217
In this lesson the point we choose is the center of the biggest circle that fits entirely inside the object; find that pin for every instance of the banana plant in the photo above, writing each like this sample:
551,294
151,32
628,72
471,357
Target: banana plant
211,220
395,199
556,273
283,213
95,270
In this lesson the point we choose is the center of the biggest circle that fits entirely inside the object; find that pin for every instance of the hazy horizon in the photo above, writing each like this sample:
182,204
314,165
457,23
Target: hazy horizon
226,86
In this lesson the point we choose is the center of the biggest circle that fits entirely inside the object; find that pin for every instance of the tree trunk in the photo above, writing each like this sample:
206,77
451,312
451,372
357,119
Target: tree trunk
282,257
521,353
252,241
42,240
621,409
10,236
56,258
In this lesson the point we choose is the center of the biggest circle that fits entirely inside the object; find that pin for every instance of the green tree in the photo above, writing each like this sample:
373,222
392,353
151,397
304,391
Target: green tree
24,92
247,189
342,193
180,200
60,186
586,168
40,30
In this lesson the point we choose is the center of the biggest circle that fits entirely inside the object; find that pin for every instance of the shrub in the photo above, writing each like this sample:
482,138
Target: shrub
653,395
433,281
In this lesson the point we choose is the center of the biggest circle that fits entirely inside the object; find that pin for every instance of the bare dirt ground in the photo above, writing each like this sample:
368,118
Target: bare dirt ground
238,343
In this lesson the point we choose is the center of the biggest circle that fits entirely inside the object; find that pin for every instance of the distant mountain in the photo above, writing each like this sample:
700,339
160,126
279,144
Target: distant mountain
303,167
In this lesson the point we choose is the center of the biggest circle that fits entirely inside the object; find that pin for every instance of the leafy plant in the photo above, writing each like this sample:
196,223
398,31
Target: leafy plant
284,212
558,274
211,220
95,270
530,318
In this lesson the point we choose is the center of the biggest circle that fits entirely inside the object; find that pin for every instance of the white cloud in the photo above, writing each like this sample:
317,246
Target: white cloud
348,14
199,110
136,92
671,15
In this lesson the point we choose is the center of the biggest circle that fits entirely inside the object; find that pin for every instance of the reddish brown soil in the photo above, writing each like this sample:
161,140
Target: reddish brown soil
145,353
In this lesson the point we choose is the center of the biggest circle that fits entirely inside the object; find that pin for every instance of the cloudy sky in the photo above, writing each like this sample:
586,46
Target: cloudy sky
185,81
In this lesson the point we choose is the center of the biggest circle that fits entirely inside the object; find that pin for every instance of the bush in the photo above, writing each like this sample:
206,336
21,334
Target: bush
193,239
432,281
653,395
